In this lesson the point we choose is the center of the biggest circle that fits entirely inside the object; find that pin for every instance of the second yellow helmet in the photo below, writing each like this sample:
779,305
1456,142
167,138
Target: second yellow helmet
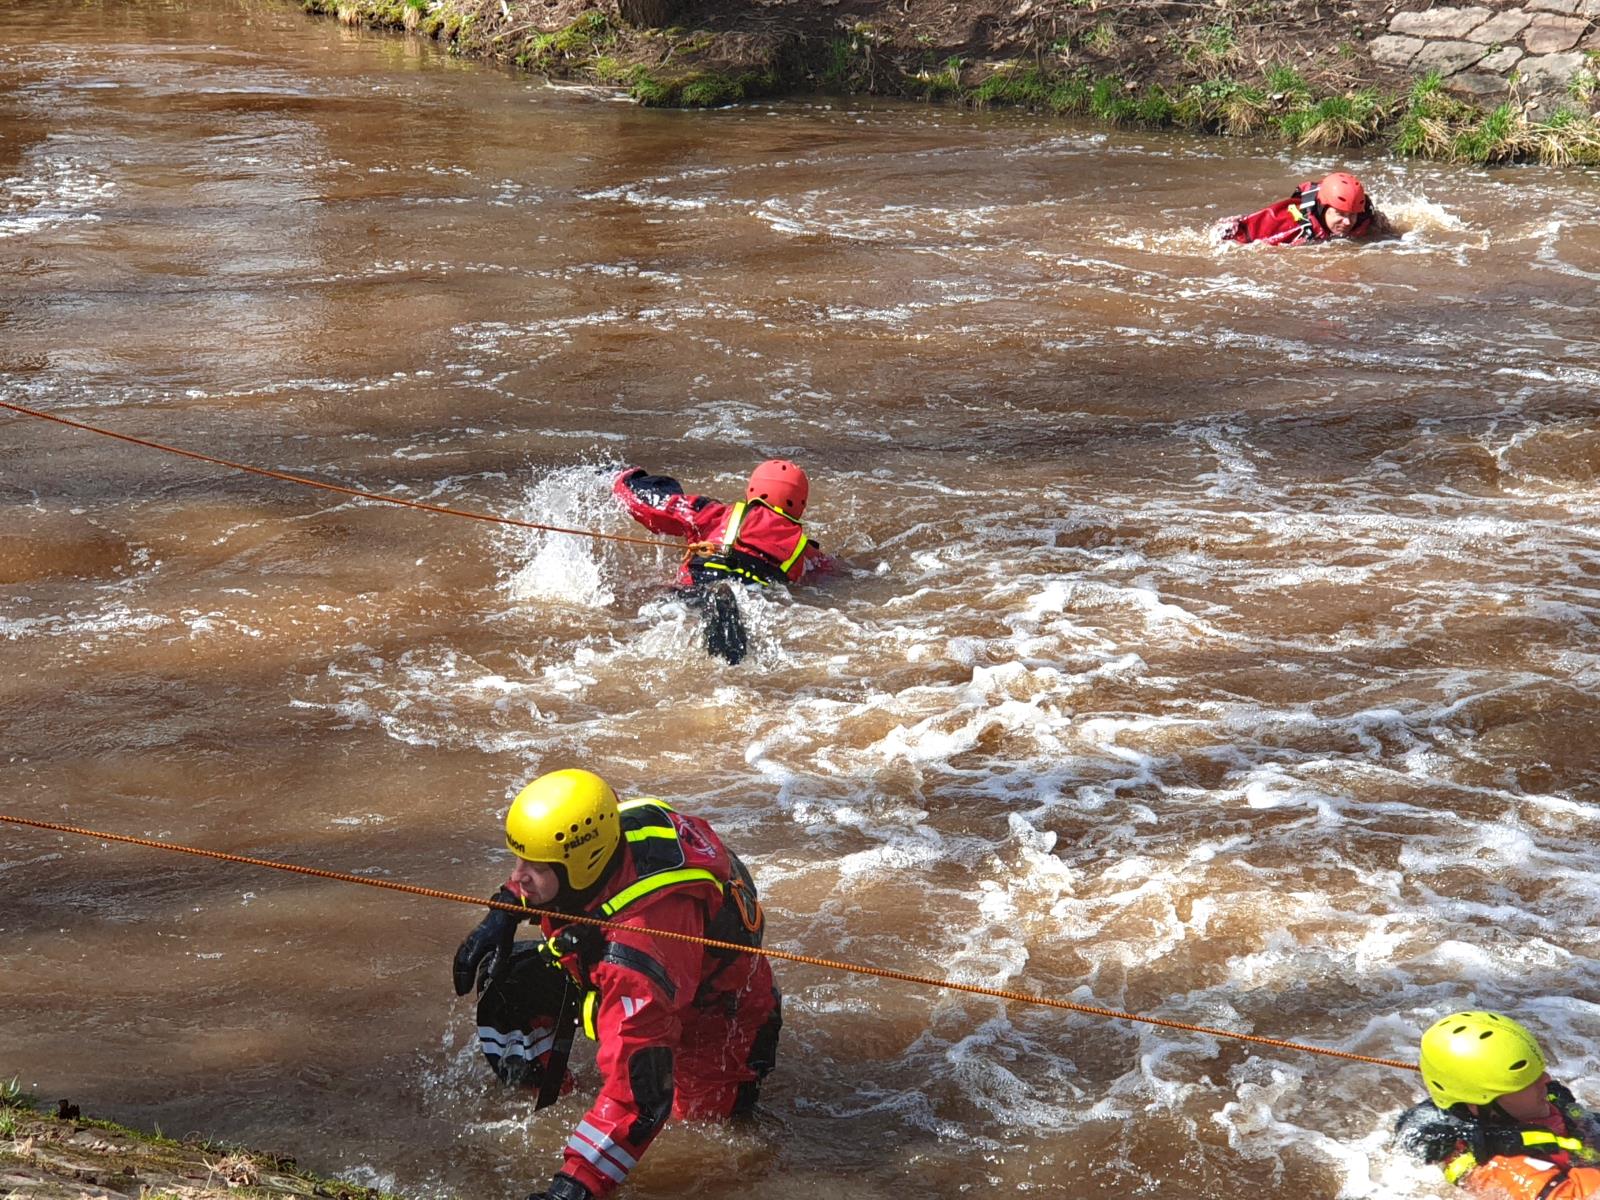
1477,1057
568,819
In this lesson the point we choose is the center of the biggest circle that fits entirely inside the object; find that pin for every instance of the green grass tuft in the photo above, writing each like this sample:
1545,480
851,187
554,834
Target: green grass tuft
1334,122
1287,83
1109,101
1155,106
1024,88
1427,124
1213,47
1566,138
943,83
1101,40
12,1095
1236,109
1489,140
697,89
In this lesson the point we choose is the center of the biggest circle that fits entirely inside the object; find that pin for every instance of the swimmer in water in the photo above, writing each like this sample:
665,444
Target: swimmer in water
1335,206
1496,1123
758,541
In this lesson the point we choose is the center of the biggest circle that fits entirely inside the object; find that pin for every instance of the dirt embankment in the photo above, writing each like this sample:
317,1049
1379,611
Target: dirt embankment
66,1157
1489,81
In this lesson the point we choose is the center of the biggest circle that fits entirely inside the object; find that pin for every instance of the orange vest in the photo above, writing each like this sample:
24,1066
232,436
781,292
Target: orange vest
1523,1177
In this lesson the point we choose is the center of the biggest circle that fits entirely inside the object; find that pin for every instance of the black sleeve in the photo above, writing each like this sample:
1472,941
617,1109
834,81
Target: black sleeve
652,489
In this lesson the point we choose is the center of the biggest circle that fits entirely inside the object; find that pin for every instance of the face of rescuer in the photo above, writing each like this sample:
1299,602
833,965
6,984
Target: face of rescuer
537,881
1340,223
1530,1104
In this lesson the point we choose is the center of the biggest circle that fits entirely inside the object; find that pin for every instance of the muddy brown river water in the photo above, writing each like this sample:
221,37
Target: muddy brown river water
1217,633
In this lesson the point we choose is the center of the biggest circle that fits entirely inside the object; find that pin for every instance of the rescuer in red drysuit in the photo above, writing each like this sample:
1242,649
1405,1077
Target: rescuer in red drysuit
1496,1122
682,1029
1336,206
758,540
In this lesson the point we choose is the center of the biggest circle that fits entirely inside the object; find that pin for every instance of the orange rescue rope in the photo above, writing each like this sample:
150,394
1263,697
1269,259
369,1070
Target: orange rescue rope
710,943
333,487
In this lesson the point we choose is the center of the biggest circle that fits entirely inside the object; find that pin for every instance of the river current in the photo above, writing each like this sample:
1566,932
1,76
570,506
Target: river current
1216,633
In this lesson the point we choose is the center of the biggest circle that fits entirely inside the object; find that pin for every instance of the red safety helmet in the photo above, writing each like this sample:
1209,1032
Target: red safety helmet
781,484
1343,191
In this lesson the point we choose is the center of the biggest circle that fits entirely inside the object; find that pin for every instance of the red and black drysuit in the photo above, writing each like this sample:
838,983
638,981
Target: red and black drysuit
682,1030
755,543
1496,1157
1292,222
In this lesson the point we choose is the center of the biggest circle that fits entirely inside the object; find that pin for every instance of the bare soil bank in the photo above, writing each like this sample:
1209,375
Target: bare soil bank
1471,84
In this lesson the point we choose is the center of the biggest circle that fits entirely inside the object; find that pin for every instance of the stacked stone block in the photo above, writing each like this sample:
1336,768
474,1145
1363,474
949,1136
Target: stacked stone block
1476,48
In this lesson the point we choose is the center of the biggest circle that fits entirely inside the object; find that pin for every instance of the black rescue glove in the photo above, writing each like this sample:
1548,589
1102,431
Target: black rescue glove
1432,1135
485,953
563,1187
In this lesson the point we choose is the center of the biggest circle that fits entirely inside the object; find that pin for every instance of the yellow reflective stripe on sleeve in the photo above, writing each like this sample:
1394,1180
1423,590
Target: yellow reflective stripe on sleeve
591,1002
654,831
641,801
731,533
799,549
1543,1137
654,883
1457,1168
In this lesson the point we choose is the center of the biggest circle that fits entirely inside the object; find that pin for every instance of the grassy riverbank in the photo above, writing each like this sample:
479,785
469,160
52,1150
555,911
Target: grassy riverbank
64,1156
1301,75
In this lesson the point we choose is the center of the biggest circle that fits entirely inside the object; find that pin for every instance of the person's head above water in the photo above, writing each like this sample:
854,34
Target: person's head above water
564,829
1480,1058
1343,201
781,484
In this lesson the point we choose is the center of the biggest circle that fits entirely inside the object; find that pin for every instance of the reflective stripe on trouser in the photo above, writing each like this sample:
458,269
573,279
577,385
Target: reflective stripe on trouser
517,1044
607,1157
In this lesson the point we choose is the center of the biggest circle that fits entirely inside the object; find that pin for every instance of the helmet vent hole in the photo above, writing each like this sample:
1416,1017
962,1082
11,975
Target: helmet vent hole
1519,1064
561,837
1485,1033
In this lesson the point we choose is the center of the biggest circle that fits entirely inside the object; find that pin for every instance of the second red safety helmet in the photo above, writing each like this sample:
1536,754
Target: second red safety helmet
780,483
1343,191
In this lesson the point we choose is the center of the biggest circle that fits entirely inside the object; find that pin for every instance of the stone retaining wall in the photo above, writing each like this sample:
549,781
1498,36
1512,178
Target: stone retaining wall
1482,51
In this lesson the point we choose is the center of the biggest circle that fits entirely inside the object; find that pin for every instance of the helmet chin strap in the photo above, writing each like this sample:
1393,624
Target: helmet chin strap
569,901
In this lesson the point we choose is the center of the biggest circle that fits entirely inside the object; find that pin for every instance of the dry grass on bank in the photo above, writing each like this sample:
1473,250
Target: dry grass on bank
67,1157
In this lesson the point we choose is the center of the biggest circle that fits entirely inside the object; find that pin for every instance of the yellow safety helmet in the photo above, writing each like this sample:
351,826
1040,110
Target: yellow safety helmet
566,818
1477,1057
